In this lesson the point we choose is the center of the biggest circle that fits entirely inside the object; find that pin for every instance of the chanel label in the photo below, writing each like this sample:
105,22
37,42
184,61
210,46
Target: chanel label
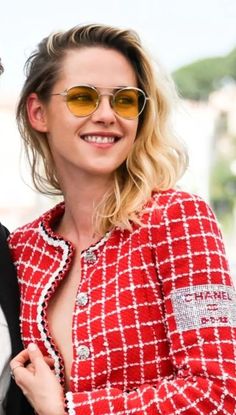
202,306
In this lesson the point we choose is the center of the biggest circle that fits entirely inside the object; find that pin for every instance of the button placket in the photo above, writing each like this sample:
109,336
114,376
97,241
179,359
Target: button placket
83,352
90,256
82,299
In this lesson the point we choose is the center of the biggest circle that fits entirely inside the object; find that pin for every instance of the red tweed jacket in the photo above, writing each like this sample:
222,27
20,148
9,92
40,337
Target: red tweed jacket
154,323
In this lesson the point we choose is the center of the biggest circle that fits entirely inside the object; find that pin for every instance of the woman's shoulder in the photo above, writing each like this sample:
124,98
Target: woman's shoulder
176,203
175,195
45,220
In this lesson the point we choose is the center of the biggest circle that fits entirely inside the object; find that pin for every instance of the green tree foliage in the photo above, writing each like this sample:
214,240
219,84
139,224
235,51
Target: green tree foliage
223,188
197,80
223,184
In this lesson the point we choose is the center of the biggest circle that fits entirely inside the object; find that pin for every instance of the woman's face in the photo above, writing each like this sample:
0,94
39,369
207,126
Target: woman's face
96,144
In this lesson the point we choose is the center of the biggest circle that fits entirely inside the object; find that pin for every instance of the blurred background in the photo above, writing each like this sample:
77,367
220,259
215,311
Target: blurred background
194,41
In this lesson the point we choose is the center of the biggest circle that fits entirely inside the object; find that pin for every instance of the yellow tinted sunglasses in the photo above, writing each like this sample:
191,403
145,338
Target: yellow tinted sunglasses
83,100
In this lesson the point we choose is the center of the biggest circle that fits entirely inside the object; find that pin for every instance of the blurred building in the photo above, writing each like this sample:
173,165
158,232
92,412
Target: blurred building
209,130
19,203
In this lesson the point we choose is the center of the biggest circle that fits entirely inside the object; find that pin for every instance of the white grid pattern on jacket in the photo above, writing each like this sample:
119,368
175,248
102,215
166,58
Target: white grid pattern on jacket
139,361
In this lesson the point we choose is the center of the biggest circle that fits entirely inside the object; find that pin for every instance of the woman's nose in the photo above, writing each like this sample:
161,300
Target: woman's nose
104,112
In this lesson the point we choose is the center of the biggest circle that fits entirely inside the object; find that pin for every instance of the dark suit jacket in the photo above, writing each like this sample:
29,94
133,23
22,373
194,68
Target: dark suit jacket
16,403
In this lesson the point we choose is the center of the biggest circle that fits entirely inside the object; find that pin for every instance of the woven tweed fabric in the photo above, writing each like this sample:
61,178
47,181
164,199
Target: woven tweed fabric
154,323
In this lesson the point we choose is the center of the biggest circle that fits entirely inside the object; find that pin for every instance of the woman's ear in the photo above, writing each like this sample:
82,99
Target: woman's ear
36,113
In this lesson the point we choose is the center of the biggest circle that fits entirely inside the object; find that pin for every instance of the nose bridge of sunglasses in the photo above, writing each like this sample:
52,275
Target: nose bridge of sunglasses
108,95
105,98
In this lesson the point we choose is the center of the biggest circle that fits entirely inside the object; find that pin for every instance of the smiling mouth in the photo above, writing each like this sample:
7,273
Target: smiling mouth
98,139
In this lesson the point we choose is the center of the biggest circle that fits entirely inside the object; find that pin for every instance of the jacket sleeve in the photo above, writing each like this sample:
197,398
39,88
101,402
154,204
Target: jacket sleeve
200,320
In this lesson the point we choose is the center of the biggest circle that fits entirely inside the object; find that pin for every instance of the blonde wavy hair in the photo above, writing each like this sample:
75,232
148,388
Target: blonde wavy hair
157,159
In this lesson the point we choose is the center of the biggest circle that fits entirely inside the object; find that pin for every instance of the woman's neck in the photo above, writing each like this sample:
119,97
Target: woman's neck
77,224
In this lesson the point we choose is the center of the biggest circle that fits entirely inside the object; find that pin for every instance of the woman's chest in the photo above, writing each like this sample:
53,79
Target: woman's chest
103,286
116,320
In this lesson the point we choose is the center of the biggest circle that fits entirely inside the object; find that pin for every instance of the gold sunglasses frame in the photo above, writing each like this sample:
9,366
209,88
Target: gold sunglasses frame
99,95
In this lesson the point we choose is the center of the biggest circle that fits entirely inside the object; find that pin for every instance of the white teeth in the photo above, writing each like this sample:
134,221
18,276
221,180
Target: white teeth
98,139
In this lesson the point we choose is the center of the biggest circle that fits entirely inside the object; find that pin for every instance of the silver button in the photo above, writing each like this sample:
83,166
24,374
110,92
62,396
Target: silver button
82,299
90,256
83,352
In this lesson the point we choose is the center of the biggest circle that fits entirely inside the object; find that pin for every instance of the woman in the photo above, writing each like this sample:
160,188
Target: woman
125,284
12,401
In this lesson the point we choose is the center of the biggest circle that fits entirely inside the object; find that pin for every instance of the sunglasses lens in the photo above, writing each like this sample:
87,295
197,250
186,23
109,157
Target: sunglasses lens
82,100
129,102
